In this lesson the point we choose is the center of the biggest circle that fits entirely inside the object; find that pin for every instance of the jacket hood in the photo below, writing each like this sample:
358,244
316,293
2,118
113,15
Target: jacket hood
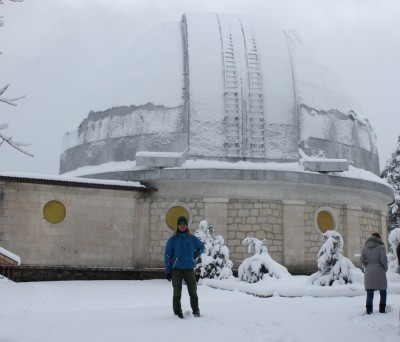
373,241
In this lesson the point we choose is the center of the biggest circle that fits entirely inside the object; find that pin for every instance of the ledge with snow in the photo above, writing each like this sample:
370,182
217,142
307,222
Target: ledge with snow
325,165
8,259
160,159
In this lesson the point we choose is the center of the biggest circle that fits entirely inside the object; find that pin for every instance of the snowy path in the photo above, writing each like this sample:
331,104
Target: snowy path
141,311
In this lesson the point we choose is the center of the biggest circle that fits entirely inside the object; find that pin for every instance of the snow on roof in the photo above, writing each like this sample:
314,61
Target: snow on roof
353,172
10,255
128,165
319,85
241,165
72,179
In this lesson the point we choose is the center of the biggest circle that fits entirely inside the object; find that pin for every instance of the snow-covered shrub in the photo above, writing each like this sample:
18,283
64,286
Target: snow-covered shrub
333,267
394,213
253,269
214,262
394,240
391,173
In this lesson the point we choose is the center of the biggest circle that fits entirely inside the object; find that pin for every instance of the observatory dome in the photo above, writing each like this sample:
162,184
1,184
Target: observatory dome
219,87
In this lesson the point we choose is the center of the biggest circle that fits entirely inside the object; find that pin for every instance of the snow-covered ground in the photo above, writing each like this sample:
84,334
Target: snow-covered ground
142,311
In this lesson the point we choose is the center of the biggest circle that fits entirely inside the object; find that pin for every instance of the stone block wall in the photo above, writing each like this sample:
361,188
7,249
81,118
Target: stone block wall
160,232
358,224
116,228
370,223
243,218
313,237
259,219
287,226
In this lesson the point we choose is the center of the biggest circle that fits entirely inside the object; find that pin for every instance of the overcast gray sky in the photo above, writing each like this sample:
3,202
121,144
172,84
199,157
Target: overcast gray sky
52,49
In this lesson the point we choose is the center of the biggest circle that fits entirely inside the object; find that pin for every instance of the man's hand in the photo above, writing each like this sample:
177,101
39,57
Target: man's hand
168,276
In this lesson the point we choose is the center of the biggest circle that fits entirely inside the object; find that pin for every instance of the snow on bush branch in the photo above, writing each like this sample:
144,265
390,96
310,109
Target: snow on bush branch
391,173
255,268
10,101
13,143
333,267
1,3
214,262
394,241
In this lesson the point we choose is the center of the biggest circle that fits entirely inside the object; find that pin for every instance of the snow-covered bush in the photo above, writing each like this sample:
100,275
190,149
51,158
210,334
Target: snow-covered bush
394,213
391,173
253,269
394,240
333,267
214,262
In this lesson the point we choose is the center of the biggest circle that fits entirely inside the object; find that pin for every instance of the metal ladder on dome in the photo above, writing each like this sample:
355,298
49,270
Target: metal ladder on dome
232,118
256,111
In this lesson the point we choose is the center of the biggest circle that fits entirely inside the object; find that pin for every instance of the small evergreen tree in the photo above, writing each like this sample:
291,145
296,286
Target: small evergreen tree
394,240
333,267
391,173
255,268
214,262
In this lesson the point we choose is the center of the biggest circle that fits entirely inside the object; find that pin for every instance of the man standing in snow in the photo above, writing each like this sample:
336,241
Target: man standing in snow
181,251
374,259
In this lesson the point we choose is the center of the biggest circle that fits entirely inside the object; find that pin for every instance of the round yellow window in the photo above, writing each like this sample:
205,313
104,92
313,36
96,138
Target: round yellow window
325,221
173,214
54,212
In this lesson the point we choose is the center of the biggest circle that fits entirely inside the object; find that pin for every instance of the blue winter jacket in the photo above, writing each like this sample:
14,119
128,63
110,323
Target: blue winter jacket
181,251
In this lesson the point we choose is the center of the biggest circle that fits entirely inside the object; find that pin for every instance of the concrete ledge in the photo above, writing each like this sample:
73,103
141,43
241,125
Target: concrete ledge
30,273
273,176
326,165
160,159
215,200
26,273
353,207
294,202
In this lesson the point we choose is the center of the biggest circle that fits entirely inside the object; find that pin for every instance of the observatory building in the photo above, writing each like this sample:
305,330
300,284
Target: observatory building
229,119
235,121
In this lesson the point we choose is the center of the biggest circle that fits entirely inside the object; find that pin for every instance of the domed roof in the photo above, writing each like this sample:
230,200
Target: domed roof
220,87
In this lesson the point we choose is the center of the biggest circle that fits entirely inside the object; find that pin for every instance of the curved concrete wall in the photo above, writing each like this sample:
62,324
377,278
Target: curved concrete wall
338,136
119,133
278,206
126,228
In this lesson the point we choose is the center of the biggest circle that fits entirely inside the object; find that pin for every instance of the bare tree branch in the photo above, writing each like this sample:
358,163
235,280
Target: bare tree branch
10,101
15,144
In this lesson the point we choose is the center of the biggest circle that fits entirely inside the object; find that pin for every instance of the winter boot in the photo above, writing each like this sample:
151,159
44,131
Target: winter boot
369,309
180,314
196,314
382,308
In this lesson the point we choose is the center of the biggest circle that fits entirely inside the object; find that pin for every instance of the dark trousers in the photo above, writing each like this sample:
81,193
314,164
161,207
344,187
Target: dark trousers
370,297
177,278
